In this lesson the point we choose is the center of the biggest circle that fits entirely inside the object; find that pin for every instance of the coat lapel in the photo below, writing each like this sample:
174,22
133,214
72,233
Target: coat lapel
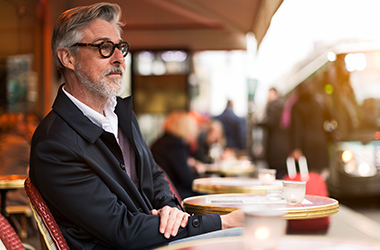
69,112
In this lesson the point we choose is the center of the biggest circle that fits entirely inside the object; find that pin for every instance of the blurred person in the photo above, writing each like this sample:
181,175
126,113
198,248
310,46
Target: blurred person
287,112
88,157
172,151
201,122
276,138
234,127
308,136
211,143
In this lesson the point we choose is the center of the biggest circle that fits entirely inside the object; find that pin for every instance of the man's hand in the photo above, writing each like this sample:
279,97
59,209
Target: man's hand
233,219
171,219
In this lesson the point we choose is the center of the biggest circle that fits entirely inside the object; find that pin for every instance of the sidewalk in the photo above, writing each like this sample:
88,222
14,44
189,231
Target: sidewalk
350,225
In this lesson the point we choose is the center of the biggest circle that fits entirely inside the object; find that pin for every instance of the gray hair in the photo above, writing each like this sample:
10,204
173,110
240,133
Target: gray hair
69,26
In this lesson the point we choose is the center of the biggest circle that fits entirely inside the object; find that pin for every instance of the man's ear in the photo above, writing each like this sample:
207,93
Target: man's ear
66,58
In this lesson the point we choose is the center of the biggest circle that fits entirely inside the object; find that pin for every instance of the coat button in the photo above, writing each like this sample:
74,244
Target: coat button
141,210
162,198
196,223
122,165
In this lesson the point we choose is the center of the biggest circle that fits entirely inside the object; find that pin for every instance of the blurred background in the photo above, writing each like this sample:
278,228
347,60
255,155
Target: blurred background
195,55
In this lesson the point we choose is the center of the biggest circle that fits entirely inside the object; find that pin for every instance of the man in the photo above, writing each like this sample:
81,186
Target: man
88,157
234,127
277,138
308,136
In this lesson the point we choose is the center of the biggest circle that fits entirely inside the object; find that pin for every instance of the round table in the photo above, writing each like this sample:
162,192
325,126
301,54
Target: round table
7,183
218,185
12,181
286,243
312,207
231,168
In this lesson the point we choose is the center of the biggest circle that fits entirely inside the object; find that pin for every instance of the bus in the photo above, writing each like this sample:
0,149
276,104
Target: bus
347,76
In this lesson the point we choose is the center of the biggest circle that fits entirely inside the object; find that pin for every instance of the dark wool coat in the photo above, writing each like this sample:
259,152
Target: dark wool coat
79,170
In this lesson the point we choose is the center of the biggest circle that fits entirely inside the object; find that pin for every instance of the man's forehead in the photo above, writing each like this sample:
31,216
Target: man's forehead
101,30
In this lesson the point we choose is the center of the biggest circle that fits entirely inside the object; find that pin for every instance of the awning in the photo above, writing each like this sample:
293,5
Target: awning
192,24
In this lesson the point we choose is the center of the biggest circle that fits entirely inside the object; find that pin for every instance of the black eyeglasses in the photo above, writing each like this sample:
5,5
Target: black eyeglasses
107,48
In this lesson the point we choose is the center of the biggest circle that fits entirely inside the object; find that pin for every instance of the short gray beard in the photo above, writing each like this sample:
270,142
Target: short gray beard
101,88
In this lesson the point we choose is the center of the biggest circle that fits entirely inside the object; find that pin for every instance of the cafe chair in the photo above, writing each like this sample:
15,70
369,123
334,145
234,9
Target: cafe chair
9,238
50,235
20,216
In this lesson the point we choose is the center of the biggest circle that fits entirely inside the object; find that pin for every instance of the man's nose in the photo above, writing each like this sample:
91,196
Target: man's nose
117,56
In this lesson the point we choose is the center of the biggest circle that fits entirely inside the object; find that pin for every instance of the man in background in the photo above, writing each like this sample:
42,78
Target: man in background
234,127
276,137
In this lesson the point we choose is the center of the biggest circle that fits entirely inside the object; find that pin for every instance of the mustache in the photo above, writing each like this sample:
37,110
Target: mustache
117,69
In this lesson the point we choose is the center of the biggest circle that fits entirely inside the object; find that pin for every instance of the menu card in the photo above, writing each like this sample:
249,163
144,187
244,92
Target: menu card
248,200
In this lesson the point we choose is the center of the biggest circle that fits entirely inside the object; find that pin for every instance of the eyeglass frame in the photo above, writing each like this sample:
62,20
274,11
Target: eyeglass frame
99,45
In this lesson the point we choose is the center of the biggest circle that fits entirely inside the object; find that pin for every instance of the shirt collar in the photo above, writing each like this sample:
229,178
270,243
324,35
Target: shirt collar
109,122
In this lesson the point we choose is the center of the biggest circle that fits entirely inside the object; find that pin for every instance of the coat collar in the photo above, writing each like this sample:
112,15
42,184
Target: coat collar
69,112
124,112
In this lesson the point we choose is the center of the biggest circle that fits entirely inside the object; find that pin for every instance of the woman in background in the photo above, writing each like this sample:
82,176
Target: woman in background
211,143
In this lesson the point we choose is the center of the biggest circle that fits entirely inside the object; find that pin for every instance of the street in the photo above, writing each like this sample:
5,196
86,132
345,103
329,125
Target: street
357,220
369,207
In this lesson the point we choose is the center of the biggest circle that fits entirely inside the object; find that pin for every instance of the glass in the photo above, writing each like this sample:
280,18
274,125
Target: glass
294,191
274,194
107,48
356,95
263,228
267,176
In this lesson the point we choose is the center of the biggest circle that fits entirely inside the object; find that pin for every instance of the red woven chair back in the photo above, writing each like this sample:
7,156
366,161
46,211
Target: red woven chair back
47,225
8,236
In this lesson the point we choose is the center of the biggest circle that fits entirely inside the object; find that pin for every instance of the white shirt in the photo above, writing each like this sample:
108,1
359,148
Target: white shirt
109,122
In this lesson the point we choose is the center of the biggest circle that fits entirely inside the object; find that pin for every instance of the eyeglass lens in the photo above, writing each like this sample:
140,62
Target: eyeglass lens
108,48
